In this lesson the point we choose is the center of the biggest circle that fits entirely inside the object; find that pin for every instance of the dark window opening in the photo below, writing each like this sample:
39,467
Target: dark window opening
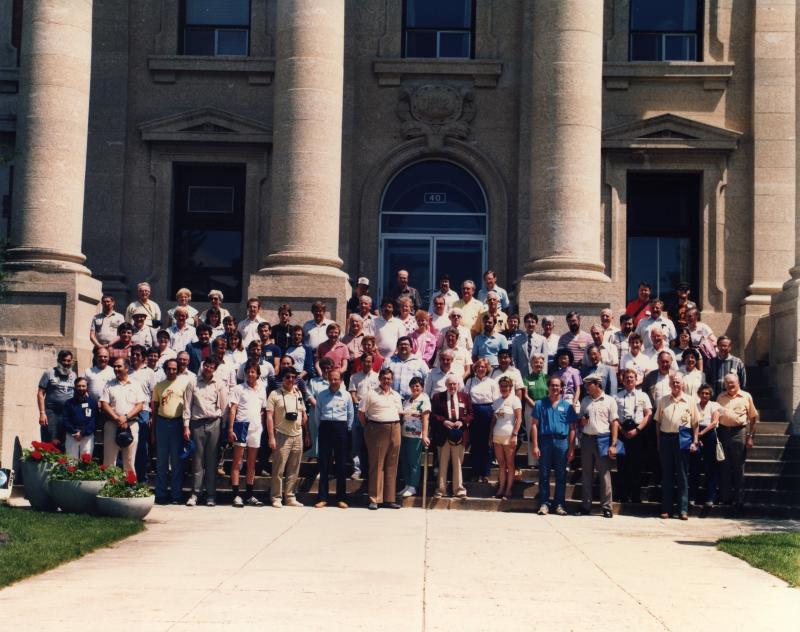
215,27
667,30
208,229
439,28
663,233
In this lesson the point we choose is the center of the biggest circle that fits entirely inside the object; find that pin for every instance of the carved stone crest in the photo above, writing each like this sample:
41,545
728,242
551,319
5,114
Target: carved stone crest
435,111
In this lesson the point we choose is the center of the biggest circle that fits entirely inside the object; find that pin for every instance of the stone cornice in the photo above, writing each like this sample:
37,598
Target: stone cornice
483,72
713,76
168,68
206,125
670,132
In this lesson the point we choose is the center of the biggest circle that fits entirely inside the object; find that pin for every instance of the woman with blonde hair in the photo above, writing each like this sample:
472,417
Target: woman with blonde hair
183,297
506,420
215,298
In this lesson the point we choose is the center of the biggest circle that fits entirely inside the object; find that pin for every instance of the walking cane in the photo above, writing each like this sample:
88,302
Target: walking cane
425,478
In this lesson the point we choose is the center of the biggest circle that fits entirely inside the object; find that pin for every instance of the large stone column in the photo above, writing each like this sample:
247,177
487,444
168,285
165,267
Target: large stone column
784,312
565,268
51,294
303,239
773,124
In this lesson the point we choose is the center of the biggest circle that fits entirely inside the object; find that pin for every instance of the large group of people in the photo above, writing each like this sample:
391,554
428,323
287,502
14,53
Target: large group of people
659,393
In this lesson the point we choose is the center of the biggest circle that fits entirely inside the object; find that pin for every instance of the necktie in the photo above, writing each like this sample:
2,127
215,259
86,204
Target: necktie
530,344
453,410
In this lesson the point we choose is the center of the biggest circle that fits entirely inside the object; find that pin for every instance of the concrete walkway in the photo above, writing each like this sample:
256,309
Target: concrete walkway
306,569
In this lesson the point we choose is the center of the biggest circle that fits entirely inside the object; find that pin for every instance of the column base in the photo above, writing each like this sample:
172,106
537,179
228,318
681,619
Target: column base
556,292
299,286
51,307
784,358
754,324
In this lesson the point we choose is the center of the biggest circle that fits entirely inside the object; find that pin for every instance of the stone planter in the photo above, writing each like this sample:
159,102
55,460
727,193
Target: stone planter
135,508
76,496
35,477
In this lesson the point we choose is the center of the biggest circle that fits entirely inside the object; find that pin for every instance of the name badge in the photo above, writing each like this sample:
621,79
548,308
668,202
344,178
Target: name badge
88,412
84,404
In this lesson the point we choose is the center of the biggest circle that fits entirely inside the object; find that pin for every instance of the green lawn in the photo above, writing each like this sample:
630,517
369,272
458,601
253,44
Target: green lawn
32,542
776,553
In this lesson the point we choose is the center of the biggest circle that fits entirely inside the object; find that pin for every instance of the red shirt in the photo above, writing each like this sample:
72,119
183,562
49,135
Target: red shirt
338,352
377,363
638,309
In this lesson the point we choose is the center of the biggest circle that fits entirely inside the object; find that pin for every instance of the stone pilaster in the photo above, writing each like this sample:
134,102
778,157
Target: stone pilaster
784,311
51,293
564,245
303,244
773,124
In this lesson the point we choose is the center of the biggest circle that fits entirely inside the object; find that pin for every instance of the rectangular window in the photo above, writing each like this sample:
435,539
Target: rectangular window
663,232
208,228
215,27
667,30
439,29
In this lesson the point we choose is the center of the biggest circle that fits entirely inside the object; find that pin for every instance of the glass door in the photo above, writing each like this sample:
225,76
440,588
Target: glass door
426,258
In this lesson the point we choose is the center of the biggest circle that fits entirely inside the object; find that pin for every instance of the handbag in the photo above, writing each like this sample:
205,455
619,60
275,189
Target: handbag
603,443
720,452
685,437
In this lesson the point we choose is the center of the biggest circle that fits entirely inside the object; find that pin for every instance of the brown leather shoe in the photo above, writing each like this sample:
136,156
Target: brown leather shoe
321,504
342,505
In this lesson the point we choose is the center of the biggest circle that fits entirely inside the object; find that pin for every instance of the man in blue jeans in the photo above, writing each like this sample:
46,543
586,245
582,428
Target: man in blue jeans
553,439
167,409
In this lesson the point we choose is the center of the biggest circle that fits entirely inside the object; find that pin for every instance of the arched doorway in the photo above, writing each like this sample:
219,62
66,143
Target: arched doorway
433,221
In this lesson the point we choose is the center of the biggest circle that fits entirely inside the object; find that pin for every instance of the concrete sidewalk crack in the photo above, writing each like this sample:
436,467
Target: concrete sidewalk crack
219,584
585,555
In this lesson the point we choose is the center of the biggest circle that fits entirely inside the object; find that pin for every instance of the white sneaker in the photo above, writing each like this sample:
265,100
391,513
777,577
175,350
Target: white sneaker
277,504
543,510
403,491
238,502
192,501
254,502
356,475
409,491
293,502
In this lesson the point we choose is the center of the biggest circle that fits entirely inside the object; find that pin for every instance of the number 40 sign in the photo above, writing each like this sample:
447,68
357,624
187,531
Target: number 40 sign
435,198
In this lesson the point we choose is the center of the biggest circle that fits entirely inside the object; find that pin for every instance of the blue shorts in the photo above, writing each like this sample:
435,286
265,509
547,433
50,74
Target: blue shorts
240,430
247,434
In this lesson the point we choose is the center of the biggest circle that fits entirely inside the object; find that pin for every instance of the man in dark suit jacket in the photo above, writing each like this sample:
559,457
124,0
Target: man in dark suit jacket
451,415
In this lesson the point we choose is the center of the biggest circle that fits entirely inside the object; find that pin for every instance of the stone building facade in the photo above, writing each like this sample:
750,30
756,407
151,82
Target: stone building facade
278,148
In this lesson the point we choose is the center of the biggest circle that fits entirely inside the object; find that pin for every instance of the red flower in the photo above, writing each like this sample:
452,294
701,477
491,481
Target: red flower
47,447
56,451
130,477
103,467
62,460
86,457
71,468
37,445
36,455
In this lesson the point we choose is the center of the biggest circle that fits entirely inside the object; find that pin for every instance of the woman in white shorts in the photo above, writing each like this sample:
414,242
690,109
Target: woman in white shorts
245,425
506,421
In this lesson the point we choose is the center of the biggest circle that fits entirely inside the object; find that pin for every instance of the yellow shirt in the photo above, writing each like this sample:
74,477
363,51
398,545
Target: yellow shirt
674,412
169,396
738,410
470,312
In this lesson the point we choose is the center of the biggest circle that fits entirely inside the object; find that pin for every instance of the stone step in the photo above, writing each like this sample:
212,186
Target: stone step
773,427
782,467
787,452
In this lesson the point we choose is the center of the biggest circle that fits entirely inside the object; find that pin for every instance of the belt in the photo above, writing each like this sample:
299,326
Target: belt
205,419
372,421
334,421
169,418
